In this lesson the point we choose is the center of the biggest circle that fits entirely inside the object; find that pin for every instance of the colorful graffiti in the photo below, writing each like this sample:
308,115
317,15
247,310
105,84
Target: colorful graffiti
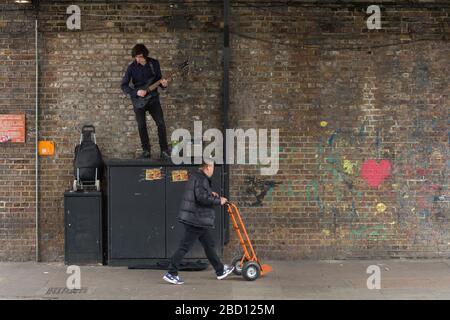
381,207
365,232
365,190
349,166
341,195
375,173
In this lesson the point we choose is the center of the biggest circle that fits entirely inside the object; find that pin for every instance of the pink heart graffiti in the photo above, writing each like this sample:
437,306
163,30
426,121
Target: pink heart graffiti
374,173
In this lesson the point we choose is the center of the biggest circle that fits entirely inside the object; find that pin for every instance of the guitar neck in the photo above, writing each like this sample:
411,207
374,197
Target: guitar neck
155,85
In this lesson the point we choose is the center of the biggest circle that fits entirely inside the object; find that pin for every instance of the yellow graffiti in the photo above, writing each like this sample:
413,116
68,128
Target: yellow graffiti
323,123
381,207
437,155
348,166
326,232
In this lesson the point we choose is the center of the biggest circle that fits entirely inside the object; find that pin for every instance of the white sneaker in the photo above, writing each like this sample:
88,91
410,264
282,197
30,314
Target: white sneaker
227,269
173,279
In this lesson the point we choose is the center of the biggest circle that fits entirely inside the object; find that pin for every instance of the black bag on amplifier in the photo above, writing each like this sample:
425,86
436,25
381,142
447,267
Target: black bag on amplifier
88,162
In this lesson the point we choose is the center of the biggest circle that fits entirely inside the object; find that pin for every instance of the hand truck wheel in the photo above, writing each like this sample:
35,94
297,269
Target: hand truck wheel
251,271
236,263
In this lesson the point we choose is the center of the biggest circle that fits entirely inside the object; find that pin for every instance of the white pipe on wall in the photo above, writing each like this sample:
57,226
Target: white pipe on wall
37,141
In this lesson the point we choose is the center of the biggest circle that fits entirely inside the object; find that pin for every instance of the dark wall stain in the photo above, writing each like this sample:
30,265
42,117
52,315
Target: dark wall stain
258,188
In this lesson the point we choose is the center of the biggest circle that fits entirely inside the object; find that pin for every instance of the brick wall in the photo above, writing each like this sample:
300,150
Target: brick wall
339,104
340,95
17,161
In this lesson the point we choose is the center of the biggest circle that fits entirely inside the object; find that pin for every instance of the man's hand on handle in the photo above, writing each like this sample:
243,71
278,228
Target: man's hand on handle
223,200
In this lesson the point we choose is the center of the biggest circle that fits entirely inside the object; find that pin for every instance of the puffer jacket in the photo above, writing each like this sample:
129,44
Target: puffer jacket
197,204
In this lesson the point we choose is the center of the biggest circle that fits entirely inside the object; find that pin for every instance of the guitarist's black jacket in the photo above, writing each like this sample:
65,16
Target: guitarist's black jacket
140,75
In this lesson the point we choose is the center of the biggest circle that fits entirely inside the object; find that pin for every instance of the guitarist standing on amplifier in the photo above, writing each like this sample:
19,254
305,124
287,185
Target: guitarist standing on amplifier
143,72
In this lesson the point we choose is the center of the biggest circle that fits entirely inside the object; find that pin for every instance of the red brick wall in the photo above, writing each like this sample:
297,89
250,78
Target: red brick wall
301,66
17,161
291,68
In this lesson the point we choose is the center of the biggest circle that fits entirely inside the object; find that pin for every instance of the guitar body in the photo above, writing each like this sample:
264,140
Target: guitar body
152,88
140,102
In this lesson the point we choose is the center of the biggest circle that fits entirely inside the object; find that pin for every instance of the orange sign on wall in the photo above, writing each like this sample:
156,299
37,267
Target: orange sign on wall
12,128
46,148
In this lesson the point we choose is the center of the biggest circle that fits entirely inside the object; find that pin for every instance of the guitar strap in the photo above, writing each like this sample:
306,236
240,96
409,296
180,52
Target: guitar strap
153,71
153,68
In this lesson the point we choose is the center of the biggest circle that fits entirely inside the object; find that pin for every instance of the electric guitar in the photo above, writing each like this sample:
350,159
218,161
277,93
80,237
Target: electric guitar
151,88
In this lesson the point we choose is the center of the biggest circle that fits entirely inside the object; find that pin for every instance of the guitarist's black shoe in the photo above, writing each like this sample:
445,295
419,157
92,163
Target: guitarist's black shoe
145,155
165,155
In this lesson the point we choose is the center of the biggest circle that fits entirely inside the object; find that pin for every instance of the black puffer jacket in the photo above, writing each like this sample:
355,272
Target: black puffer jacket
197,205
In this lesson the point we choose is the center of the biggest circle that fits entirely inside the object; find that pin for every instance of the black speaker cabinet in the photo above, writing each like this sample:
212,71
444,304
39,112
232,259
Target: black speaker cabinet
143,202
83,227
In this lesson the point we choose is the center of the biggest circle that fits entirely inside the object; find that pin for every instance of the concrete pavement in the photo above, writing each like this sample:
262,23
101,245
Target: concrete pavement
400,279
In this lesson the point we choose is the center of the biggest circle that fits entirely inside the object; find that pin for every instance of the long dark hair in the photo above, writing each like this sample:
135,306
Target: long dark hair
139,49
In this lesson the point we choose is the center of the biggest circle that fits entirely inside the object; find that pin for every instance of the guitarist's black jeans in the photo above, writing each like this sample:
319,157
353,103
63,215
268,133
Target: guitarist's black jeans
154,108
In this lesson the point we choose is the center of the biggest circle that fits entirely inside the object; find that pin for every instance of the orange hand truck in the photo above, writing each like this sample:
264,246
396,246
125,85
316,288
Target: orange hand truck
247,265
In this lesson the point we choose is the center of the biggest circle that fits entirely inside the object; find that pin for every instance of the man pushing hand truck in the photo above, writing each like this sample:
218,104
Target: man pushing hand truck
197,215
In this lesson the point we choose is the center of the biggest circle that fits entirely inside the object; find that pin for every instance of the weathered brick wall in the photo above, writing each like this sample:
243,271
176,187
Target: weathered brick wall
343,98
17,161
306,70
